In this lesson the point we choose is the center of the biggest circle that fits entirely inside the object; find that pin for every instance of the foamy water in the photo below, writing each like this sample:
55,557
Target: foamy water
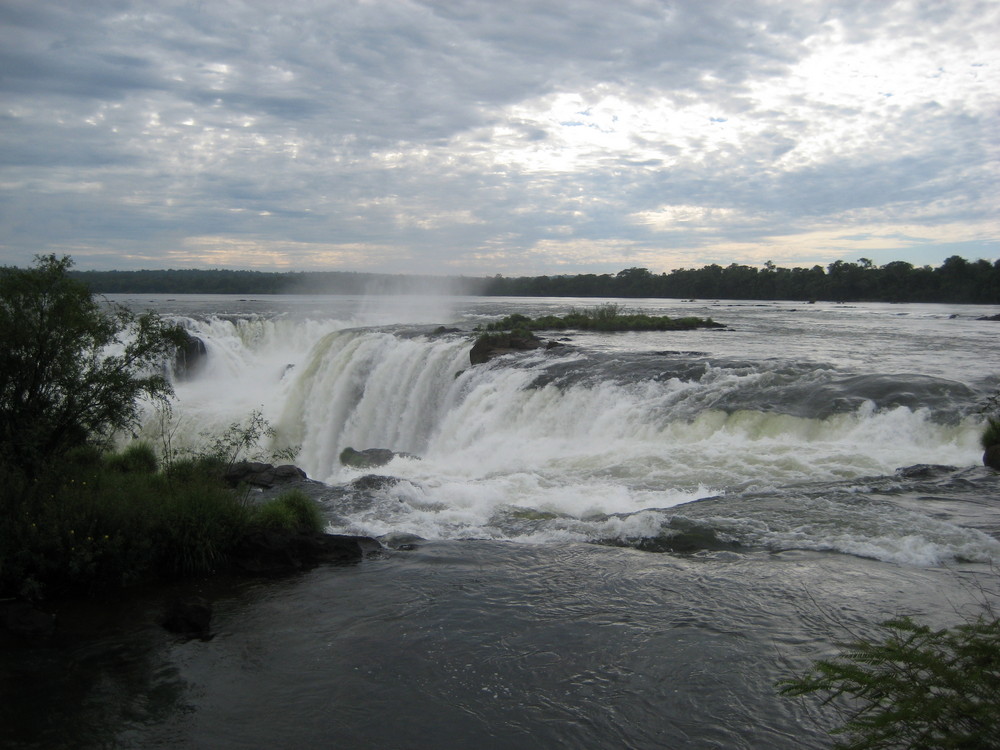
576,443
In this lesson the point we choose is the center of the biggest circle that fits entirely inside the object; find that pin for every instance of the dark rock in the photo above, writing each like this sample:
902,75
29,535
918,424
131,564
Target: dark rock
259,474
288,472
990,317
276,552
491,345
20,618
681,536
369,458
374,482
440,330
190,356
925,471
991,457
191,618
401,541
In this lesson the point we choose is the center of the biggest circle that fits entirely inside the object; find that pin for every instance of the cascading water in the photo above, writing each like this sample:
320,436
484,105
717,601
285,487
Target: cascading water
762,462
588,444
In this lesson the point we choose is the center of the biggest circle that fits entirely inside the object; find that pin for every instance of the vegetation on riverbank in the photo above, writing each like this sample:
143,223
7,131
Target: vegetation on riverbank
75,516
105,521
517,332
608,318
956,280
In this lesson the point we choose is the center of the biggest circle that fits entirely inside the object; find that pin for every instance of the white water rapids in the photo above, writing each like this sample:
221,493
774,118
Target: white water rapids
573,444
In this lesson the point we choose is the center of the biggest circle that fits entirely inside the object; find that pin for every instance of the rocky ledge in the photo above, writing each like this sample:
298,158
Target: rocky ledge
275,552
370,458
491,345
258,474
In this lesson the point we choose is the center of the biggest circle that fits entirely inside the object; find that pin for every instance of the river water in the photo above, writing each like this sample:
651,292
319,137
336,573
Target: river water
623,542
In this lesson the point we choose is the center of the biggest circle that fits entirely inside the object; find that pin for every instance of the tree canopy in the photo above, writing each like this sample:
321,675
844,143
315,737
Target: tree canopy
72,369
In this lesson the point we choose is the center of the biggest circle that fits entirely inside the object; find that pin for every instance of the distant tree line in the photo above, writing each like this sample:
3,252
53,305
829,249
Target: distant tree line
955,280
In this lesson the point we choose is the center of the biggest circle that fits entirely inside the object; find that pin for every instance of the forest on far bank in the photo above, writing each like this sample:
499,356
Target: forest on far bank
955,280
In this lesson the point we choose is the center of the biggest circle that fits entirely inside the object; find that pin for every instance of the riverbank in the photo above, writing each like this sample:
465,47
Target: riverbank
101,523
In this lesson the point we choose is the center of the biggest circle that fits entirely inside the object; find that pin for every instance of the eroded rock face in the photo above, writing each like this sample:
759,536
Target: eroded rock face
190,356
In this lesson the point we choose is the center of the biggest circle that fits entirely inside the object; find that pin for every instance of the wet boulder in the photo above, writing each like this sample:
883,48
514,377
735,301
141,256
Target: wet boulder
401,541
190,356
278,552
926,471
374,483
369,458
258,474
991,457
491,345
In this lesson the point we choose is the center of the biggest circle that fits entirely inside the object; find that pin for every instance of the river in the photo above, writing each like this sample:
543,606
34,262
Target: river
623,542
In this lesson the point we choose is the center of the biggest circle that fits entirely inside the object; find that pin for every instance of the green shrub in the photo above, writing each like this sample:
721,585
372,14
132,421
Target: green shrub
137,458
274,515
915,688
99,528
196,468
292,511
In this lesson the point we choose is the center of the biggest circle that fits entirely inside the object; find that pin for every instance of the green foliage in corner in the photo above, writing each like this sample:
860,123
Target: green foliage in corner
915,688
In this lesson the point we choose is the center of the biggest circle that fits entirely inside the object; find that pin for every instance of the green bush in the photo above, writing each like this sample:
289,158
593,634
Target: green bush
136,458
290,511
96,527
915,688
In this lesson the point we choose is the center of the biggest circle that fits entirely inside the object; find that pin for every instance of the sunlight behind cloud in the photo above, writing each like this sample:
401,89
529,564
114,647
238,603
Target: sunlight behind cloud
209,251
412,137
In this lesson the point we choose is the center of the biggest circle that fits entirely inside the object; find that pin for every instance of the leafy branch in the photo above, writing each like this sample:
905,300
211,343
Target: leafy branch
915,688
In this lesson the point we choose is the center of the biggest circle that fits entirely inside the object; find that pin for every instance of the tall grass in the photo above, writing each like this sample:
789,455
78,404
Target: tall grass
109,521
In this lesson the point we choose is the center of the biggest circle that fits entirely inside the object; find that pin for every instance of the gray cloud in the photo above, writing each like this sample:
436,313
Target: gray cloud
477,137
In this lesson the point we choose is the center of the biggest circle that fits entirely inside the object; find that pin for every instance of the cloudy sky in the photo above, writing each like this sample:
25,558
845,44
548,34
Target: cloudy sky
480,137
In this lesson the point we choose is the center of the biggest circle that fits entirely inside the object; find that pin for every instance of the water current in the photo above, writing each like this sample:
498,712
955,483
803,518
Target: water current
622,542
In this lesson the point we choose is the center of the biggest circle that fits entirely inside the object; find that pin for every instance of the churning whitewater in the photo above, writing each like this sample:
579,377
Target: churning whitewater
700,441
